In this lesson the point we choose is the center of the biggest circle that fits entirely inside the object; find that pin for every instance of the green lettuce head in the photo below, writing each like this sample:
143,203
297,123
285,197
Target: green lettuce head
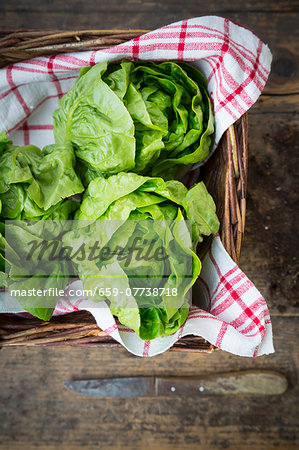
150,118
149,295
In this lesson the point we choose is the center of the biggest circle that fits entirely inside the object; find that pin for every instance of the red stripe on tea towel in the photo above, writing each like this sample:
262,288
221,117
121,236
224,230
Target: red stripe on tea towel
182,39
167,46
135,48
9,91
78,303
60,307
16,127
240,89
71,305
233,281
110,330
256,351
54,77
255,306
146,348
210,61
36,127
221,334
16,91
233,295
92,58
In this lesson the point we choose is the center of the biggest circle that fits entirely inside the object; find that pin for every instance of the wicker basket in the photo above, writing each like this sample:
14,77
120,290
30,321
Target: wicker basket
225,176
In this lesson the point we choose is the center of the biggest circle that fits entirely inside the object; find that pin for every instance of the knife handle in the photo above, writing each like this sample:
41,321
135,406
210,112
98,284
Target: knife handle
251,382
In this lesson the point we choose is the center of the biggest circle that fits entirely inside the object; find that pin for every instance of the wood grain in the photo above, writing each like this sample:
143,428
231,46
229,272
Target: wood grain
243,382
38,409
269,253
146,6
276,104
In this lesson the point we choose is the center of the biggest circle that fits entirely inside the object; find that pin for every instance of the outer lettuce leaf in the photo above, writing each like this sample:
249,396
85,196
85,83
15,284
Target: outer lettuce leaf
40,272
101,193
112,276
201,210
41,307
13,201
54,176
12,170
94,119
33,181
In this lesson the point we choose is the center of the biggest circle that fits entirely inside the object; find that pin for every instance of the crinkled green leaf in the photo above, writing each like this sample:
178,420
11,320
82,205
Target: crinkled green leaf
32,181
201,210
54,176
93,118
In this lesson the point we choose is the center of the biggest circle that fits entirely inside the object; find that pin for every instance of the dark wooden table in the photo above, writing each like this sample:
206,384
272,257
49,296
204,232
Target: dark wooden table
36,409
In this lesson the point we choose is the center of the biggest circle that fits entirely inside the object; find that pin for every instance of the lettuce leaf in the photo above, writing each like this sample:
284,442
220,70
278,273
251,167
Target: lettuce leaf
40,271
35,180
94,119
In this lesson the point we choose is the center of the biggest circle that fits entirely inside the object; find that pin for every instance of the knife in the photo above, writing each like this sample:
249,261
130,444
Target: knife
254,382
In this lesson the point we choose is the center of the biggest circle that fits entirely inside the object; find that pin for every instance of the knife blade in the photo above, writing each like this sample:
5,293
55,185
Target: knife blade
251,382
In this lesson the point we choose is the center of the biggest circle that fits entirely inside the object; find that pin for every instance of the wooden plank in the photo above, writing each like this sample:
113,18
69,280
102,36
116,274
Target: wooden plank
269,253
284,71
275,23
275,104
39,411
89,9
